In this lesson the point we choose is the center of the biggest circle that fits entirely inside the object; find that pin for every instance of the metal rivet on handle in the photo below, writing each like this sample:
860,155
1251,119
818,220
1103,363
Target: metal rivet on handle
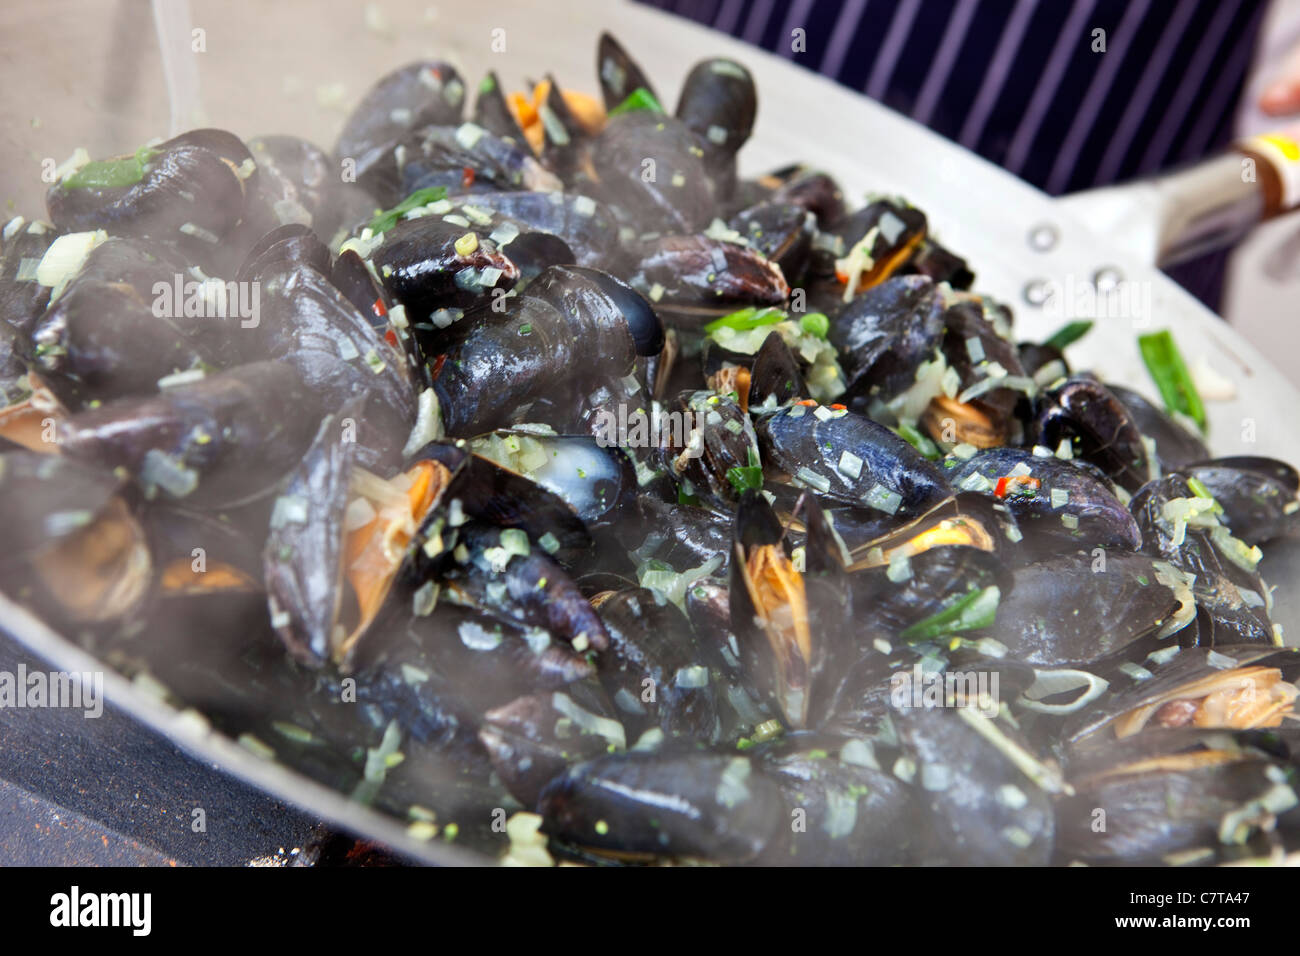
1107,279
1037,291
1043,237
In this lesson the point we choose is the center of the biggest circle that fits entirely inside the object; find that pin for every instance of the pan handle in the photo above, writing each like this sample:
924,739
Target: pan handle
1174,216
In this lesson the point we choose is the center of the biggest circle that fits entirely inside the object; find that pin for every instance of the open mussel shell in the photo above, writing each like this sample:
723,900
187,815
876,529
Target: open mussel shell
76,549
889,232
808,188
715,445
563,134
917,570
339,539
973,347
791,624
776,377
304,549
351,277
619,74
492,112
208,578
199,552
769,611
31,419
1229,687
596,480
501,497
1046,363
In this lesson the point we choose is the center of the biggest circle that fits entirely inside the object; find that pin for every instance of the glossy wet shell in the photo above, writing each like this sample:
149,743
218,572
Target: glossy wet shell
708,806
810,443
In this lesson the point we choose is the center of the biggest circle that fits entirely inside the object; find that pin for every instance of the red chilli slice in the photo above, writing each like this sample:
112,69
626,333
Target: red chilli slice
1007,482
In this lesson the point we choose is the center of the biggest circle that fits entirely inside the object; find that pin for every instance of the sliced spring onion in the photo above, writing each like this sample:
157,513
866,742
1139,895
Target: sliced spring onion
745,478
1169,372
747,318
973,610
421,197
1069,333
111,173
918,440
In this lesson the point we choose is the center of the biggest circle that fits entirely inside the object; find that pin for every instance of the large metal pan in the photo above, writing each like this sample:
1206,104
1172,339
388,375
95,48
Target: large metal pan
99,86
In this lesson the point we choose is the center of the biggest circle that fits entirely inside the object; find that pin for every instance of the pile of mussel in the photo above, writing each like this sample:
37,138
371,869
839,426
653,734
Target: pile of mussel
531,460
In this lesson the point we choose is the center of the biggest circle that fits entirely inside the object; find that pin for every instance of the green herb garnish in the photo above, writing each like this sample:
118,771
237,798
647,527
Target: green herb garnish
743,479
638,99
1165,363
421,197
1069,333
747,477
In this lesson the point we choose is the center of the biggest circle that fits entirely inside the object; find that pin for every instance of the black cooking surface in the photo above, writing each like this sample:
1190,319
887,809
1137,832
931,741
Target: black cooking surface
107,791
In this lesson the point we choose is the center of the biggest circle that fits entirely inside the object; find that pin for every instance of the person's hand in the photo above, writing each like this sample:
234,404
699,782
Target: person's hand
1282,96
